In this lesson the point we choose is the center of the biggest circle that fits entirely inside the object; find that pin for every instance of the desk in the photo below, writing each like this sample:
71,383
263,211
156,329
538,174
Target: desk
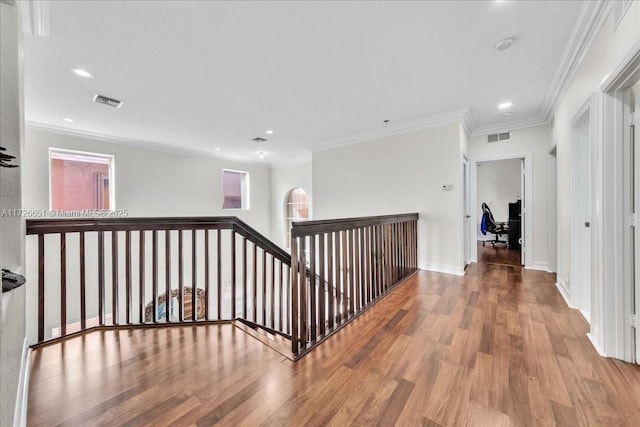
514,234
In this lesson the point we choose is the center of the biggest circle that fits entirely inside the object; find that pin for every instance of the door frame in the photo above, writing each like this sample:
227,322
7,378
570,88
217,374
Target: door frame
466,201
527,199
585,113
615,334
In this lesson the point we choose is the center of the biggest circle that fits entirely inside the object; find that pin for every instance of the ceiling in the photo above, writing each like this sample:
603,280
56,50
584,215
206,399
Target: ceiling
202,76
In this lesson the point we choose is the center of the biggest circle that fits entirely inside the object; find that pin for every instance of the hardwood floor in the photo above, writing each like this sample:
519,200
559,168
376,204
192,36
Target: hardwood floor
495,347
499,254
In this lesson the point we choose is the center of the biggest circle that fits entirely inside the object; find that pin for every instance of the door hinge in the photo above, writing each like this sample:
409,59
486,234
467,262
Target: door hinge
632,320
631,119
633,220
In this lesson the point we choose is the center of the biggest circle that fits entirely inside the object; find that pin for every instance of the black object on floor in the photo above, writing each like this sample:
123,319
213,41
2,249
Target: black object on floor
11,280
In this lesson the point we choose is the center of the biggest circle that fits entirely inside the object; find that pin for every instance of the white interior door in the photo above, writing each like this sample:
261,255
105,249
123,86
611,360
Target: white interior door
635,196
523,209
466,208
580,285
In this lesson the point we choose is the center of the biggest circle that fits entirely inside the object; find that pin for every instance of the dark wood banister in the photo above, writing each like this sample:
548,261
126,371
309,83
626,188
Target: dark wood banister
379,254
53,226
308,228
372,256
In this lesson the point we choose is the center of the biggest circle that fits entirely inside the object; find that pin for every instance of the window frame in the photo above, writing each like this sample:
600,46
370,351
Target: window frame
112,173
245,190
288,221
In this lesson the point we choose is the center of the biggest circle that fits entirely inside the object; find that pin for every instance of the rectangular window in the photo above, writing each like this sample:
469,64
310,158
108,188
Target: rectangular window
80,180
235,189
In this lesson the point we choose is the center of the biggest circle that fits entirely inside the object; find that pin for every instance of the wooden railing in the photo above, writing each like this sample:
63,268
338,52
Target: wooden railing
341,267
107,272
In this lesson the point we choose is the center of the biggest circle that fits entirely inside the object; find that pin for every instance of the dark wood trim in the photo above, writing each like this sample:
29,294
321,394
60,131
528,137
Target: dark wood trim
167,287
63,284
114,277
308,228
194,277
141,275
127,276
83,284
101,277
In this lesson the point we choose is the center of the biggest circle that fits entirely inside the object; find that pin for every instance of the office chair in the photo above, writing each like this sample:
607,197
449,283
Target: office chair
490,225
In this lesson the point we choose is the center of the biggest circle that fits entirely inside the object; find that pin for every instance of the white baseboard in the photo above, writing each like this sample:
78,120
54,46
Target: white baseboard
22,398
595,345
562,288
538,266
442,268
586,315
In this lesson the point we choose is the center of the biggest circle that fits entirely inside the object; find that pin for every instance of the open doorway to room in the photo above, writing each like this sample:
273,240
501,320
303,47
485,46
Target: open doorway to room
500,186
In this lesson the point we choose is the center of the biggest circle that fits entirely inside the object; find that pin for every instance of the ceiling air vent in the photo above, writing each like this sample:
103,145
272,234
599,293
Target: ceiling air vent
101,99
258,139
499,137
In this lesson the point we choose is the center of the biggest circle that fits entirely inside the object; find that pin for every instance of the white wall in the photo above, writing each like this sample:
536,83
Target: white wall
12,310
498,185
399,174
151,182
148,183
610,48
283,179
534,143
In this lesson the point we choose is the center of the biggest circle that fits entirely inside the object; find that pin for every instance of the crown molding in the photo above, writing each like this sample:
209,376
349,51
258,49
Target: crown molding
35,17
293,162
440,119
503,127
591,19
134,143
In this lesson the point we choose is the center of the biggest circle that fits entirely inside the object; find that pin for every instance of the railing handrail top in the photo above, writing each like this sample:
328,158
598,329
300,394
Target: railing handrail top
70,225
306,228
75,225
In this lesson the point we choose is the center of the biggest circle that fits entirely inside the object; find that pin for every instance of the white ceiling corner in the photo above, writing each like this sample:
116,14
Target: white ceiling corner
227,71
390,130
592,16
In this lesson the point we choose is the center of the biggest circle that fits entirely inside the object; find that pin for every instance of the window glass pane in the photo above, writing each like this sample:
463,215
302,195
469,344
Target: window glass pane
79,181
296,209
234,190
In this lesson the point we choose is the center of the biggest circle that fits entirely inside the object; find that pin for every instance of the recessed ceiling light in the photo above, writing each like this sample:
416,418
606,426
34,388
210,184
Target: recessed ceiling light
261,154
505,43
268,132
67,119
82,73
504,105
507,114
218,149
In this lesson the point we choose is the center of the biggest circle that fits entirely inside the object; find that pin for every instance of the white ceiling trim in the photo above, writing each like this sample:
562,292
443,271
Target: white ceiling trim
293,162
592,17
137,143
35,17
440,119
518,124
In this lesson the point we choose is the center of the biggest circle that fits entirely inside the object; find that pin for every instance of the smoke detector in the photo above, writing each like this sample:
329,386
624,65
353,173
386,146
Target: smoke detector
505,44
111,102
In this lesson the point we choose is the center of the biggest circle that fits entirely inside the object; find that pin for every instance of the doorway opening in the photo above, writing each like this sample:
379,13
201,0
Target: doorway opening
500,186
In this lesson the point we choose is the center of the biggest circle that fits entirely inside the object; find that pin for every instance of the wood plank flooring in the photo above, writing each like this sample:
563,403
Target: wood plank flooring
499,254
497,347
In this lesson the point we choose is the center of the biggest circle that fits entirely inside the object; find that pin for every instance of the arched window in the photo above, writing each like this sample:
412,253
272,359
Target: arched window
296,208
